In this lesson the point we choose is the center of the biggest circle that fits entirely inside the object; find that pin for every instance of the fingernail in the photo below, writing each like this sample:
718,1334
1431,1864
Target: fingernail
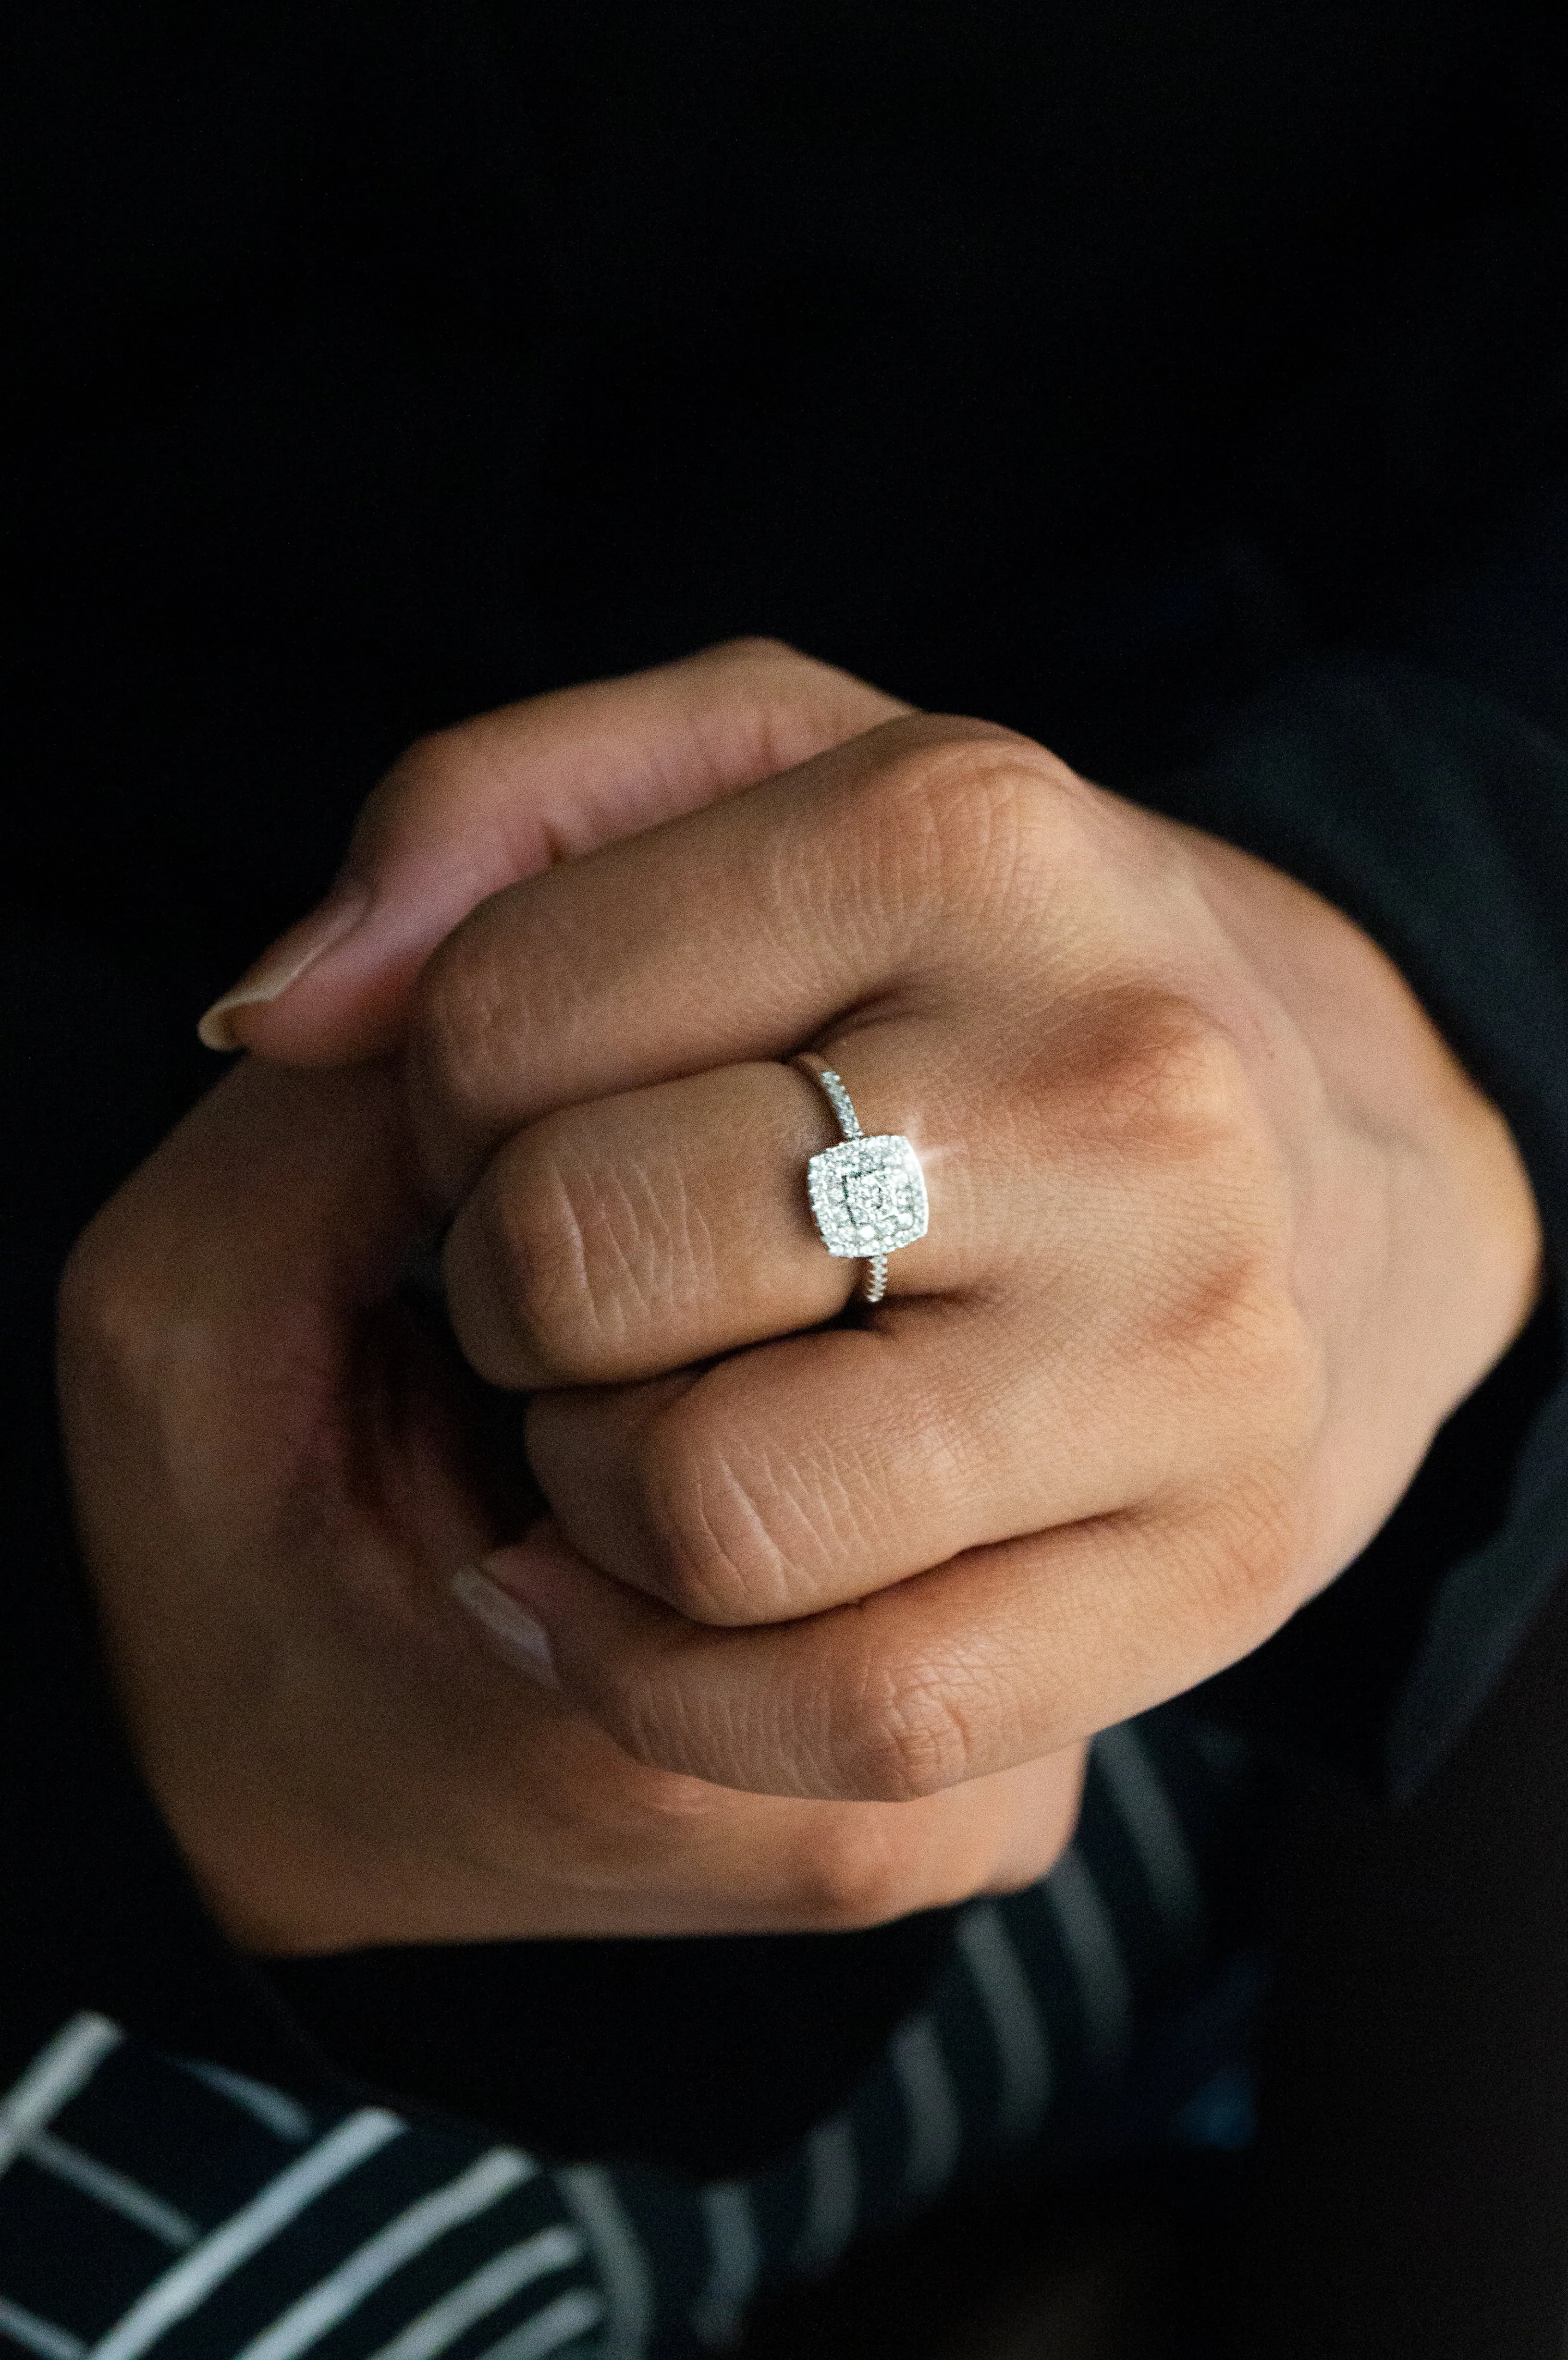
284,962
510,1627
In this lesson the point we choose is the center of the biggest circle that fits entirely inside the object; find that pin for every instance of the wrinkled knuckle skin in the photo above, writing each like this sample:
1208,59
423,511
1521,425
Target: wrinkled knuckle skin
970,821
566,1247
525,1261
904,1739
1253,1549
1169,1079
718,1560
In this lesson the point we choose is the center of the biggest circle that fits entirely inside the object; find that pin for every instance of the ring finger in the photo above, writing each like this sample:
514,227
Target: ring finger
632,1236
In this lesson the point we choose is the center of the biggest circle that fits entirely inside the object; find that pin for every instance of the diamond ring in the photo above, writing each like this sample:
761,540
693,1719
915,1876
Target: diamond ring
868,1196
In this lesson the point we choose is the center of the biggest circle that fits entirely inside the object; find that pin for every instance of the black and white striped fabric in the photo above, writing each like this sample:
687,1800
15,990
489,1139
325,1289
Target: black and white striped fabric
157,2206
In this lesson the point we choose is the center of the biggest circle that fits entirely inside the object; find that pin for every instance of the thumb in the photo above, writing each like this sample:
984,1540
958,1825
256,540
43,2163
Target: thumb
479,806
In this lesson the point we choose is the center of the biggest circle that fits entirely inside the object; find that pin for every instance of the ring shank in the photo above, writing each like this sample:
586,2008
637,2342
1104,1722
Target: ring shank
838,1099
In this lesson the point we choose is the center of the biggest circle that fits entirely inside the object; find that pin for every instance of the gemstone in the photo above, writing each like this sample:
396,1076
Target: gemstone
868,1196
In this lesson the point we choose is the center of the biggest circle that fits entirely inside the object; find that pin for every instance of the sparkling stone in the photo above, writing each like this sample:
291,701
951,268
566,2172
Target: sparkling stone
868,1196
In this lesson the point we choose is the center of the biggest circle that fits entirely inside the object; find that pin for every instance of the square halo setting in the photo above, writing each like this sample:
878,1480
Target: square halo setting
868,1196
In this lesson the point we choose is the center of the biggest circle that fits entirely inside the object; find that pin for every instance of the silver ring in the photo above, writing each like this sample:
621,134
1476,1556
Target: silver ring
867,1194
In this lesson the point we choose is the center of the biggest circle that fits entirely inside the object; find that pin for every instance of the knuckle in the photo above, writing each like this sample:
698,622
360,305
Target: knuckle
968,816
569,1247
906,1736
434,761
1164,1077
1280,1358
1023,1869
1229,1318
754,652
426,778
752,1522
135,1328
714,1526
792,704
1241,1342
530,1260
1203,1092
127,1300
1251,1550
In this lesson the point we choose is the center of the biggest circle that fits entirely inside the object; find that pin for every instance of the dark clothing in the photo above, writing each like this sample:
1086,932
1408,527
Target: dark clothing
1100,2013
1187,387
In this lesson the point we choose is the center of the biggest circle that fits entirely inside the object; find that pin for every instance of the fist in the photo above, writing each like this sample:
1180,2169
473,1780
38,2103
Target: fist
1220,1232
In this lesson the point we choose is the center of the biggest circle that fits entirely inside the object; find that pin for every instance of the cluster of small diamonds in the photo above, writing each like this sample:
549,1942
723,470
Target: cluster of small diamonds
878,1196
868,1196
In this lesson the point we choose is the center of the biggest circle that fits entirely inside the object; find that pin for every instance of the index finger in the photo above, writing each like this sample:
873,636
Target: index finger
737,932
475,807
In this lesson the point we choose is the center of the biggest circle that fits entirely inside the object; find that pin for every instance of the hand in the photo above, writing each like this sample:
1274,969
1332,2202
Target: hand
276,1472
1220,1233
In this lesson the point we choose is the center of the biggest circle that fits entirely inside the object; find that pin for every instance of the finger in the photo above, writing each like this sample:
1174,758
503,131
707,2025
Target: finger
642,1852
500,797
737,932
1001,1658
810,1472
638,1233
797,1476
628,1237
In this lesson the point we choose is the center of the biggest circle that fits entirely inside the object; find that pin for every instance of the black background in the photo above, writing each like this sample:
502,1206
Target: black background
372,366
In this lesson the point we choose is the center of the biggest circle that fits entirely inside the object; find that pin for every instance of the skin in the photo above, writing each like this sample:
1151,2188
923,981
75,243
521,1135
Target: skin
822,1614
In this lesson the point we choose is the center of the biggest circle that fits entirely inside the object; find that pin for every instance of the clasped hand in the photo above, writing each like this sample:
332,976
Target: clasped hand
824,1607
